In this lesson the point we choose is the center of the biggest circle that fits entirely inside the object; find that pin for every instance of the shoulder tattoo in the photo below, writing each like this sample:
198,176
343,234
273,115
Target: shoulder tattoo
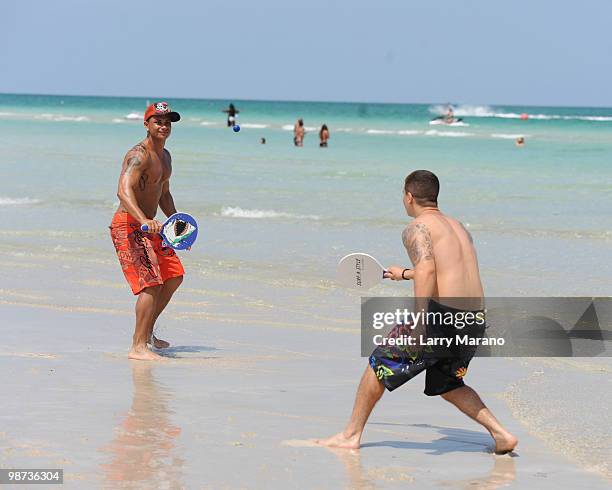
418,243
134,159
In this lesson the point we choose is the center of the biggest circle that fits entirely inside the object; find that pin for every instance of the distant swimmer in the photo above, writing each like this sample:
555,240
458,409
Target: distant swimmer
445,270
520,141
153,271
298,133
231,115
262,141
323,136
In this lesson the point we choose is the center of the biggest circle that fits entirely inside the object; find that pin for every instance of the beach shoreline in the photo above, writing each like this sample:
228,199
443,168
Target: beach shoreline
263,395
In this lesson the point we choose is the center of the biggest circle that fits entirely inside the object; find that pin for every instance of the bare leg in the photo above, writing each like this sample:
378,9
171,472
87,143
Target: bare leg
145,309
167,290
369,392
468,401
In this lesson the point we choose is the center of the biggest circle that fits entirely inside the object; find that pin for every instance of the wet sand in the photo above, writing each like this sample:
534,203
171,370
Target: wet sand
235,405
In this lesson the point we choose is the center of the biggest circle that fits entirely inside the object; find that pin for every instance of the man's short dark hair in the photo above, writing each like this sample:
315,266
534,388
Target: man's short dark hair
424,187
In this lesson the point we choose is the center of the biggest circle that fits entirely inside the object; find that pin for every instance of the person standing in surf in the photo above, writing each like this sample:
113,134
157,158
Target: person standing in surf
231,112
153,271
323,136
298,133
445,269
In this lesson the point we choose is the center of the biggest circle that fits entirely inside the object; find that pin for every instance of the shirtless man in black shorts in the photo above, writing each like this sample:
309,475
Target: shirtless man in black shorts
445,266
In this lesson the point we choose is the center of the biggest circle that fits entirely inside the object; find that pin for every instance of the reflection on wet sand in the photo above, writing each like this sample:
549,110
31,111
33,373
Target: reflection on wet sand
502,473
356,477
143,449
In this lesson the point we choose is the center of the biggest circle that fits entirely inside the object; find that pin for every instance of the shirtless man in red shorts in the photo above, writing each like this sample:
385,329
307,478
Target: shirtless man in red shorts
153,272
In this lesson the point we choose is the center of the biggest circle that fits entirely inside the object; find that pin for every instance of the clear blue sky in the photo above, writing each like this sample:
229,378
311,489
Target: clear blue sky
536,52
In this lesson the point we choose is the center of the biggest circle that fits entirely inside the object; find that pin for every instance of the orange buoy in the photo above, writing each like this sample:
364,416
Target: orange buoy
524,116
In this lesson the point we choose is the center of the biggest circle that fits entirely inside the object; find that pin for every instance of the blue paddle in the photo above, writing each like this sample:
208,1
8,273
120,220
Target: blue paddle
179,231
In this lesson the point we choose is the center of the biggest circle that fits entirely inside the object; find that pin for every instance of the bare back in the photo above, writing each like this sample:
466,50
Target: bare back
452,249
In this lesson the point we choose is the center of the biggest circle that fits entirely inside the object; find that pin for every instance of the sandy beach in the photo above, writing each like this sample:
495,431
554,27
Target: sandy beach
236,403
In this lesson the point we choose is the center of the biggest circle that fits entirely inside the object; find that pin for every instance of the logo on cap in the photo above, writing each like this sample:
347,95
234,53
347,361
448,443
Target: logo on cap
161,108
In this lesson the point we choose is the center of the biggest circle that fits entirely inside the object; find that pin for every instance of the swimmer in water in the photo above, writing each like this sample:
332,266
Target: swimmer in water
298,133
323,136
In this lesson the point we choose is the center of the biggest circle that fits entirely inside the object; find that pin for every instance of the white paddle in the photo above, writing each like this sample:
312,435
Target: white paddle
360,271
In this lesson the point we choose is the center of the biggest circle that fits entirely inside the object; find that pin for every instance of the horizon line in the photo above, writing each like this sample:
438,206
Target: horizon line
301,101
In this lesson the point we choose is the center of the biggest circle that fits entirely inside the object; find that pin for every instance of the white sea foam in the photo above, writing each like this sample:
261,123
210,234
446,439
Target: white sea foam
133,116
441,122
486,111
289,127
71,118
61,118
254,125
118,120
401,132
464,110
207,123
380,131
594,118
507,136
17,201
452,134
237,212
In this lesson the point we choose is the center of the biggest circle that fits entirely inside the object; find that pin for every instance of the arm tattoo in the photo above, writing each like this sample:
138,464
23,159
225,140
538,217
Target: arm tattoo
418,243
135,160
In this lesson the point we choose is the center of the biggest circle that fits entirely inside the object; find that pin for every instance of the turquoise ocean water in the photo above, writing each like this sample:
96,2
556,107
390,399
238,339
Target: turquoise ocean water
275,219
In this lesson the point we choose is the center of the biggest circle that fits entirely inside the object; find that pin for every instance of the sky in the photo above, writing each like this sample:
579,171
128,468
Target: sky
522,52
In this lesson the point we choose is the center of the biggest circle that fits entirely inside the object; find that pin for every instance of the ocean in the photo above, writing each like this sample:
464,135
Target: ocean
276,219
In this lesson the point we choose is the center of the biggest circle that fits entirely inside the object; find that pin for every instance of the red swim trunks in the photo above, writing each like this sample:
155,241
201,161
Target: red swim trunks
143,260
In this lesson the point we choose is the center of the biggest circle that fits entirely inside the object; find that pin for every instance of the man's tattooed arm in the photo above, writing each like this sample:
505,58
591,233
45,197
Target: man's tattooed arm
134,160
133,178
418,243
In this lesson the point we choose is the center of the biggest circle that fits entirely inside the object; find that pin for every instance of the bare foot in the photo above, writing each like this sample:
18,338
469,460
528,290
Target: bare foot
340,441
144,354
504,443
159,343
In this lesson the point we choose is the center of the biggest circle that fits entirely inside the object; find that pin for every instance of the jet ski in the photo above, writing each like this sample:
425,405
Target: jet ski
457,121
